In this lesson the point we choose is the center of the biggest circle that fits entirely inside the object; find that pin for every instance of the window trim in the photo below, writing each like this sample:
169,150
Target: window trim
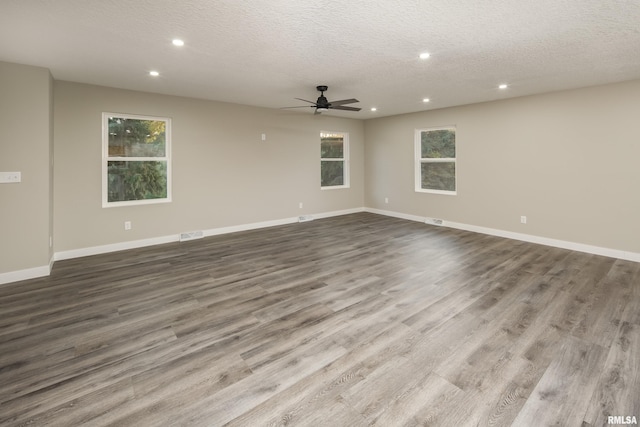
346,183
419,160
106,159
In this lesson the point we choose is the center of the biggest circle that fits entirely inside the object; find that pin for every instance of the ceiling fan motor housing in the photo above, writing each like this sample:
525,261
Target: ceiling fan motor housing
322,102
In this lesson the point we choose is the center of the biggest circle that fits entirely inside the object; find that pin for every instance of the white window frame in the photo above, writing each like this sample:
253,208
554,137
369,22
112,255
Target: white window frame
419,160
106,159
344,159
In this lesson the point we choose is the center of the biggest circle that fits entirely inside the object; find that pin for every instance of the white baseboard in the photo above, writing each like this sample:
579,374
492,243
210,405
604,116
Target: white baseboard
26,274
45,270
338,213
114,247
563,244
250,226
396,214
96,250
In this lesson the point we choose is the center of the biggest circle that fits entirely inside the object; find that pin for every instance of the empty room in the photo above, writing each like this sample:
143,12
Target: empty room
319,213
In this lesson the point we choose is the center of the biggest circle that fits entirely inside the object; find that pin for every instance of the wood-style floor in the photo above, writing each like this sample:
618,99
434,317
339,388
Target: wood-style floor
349,321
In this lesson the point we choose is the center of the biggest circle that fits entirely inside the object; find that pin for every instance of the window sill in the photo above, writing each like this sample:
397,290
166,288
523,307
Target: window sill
135,203
446,193
335,187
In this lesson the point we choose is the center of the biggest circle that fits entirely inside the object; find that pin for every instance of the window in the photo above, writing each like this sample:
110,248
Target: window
334,160
435,151
136,166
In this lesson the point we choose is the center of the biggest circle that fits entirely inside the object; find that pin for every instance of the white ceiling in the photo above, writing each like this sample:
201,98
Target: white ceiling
267,52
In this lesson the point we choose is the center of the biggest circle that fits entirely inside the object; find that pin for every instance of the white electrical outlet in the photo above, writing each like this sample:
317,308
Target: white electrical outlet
386,200
523,219
264,136
300,205
10,177
127,225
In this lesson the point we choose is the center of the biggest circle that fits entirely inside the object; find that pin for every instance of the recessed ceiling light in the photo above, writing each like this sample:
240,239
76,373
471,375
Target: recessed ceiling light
424,55
374,109
154,73
177,42
502,86
425,100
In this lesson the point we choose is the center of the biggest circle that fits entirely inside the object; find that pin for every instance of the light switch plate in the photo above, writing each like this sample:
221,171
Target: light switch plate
10,177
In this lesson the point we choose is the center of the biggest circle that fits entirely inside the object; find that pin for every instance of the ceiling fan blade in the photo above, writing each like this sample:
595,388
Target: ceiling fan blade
343,101
345,108
298,106
310,102
323,105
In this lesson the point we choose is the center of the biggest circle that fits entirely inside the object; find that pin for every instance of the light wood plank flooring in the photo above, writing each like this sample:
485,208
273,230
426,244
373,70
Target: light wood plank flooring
349,321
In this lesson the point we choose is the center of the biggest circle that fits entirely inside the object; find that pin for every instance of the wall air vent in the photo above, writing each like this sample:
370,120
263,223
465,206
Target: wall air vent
434,221
191,235
305,218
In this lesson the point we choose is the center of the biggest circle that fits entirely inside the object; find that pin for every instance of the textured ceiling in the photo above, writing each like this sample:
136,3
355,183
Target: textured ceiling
267,52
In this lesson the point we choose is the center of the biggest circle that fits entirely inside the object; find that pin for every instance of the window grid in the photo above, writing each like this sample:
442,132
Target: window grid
334,160
136,160
438,179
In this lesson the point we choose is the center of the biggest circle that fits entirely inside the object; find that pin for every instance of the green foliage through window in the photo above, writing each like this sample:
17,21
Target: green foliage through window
436,170
137,180
438,144
136,138
333,157
137,161
439,176
332,173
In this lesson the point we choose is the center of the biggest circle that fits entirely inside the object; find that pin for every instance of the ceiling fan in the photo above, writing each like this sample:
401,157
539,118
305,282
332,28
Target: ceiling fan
322,104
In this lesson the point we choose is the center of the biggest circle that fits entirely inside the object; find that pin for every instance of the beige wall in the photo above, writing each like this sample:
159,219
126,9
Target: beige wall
566,160
223,173
25,208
